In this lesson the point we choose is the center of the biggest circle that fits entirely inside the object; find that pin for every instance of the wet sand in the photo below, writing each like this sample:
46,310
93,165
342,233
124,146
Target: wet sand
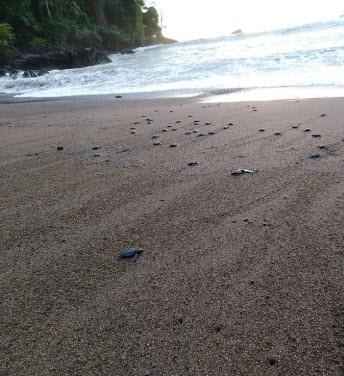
240,275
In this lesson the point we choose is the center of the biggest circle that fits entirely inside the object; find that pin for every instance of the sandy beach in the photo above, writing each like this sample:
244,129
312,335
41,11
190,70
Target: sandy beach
240,275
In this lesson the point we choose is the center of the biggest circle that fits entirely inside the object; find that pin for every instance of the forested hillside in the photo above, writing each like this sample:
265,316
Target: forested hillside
107,24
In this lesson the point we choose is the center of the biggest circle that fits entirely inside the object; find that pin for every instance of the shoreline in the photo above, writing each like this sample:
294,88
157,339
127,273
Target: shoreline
240,275
203,96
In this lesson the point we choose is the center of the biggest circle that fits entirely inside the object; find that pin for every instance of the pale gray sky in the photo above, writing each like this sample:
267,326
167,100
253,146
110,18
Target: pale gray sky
191,19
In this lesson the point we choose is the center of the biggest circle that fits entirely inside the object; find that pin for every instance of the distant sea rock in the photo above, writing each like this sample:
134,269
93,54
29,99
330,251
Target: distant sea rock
238,31
40,60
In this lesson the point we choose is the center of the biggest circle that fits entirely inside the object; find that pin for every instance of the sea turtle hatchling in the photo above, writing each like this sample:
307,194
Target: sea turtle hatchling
211,133
173,146
316,155
132,253
192,163
323,146
241,171
156,143
261,130
188,132
295,126
279,133
154,137
316,135
307,130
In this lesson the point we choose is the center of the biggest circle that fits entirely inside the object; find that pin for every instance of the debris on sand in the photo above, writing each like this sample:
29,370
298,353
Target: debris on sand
133,253
241,171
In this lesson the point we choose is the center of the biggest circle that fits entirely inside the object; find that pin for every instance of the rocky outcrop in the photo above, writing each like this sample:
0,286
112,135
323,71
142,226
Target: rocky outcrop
39,61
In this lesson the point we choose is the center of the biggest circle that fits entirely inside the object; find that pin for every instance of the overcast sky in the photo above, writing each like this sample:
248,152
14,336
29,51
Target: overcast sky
191,19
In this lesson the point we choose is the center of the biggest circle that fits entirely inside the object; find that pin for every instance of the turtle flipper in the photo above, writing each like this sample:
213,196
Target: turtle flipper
135,257
120,258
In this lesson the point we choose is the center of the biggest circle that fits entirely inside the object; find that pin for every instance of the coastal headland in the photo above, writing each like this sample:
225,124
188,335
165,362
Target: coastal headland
239,275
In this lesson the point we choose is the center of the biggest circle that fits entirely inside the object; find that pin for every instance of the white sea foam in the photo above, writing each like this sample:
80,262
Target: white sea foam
306,56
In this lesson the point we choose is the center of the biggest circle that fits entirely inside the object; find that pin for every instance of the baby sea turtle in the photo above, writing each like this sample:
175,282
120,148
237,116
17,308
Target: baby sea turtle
323,146
279,133
178,121
316,155
173,146
295,126
134,253
230,124
192,163
307,130
136,122
195,131
155,137
156,143
133,132
149,122
323,115
188,132
211,133
190,116
200,135
241,171
149,119
261,130
207,123
132,128
96,148
316,135
164,130
174,129
169,126
226,127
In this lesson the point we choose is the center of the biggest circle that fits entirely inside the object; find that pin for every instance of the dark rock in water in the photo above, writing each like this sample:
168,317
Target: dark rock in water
118,96
316,135
59,148
132,253
323,146
60,59
127,51
192,163
307,130
96,148
279,133
3,72
316,155
241,171
173,146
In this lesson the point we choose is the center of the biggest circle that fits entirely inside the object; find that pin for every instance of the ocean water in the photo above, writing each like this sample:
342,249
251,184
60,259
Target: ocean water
306,57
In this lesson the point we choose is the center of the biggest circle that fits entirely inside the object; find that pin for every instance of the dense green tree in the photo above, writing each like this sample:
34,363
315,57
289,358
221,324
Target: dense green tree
113,24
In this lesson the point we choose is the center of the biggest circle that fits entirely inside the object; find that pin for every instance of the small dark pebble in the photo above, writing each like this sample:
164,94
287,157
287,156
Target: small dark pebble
272,362
118,96
59,148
